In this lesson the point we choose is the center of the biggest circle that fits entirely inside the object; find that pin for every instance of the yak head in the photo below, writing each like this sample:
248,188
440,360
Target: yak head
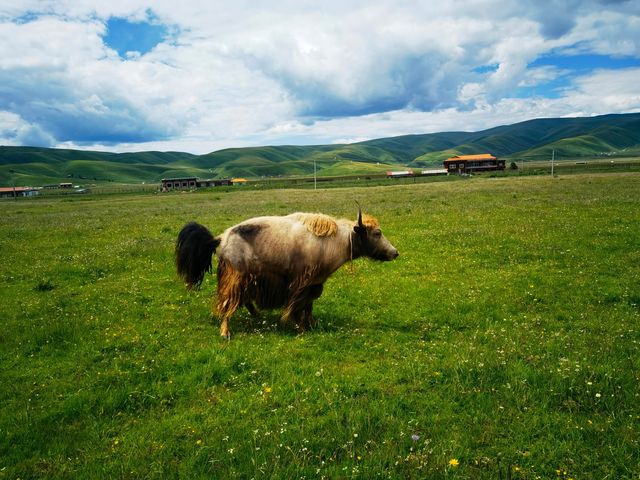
369,240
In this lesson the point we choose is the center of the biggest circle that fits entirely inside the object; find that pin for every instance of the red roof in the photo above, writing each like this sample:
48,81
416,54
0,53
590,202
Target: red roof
15,189
464,158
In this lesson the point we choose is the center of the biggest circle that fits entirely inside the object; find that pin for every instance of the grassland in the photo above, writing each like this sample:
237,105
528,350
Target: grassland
504,342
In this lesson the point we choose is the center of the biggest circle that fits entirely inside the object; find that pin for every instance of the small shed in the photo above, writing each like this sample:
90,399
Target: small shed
189,183
214,183
483,162
183,183
434,172
400,174
12,192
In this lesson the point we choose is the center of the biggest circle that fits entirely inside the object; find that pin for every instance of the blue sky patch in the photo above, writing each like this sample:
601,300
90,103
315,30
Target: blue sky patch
551,89
124,36
26,18
569,67
486,68
585,62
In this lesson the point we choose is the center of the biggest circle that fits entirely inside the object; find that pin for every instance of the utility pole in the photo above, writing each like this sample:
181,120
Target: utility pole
553,156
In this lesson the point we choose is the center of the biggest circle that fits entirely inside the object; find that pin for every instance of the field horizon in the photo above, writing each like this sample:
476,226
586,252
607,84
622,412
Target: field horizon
502,343
614,136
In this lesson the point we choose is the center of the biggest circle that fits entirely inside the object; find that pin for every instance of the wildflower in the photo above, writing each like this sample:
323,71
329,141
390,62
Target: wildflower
268,389
415,437
454,462
199,442
598,395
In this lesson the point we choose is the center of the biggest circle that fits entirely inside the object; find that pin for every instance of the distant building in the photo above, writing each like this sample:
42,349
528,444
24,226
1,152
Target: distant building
184,183
189,183
213,183
400,174
12,192
434,172
473,163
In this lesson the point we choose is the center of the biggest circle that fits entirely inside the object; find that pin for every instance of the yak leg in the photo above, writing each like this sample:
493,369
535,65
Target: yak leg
250,294
251,307
300,305
294,310
231,286
224,328
313,293
225,310
309,321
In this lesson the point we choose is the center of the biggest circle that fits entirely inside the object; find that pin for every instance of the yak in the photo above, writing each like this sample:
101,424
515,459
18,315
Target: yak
275,262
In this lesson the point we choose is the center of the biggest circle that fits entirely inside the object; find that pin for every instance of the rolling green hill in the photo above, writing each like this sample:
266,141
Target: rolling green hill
617,135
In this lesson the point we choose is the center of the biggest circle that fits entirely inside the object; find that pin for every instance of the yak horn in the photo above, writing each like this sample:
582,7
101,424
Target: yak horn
359,214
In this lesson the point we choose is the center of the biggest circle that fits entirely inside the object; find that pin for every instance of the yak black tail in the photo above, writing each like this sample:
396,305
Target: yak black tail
194,249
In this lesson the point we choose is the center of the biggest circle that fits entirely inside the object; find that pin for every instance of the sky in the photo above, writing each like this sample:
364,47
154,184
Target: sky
195,76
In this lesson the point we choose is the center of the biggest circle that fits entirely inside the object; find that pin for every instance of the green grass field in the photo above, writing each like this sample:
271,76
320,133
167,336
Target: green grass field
504,342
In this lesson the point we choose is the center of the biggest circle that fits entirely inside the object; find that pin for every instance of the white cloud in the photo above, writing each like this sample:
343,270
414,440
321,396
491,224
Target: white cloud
16,132
244,73
607,33
541,75
606,92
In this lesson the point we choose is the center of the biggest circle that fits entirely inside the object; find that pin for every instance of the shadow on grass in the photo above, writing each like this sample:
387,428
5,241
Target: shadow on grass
268,321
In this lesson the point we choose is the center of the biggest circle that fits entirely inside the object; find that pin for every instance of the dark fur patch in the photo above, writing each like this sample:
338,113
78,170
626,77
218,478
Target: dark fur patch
269,291
248,231
194,248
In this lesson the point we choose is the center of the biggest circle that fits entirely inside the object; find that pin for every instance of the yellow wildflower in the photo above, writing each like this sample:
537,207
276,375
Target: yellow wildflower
454,462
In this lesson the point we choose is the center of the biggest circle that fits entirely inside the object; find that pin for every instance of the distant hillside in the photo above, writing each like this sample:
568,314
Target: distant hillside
41,166
534,139
531,140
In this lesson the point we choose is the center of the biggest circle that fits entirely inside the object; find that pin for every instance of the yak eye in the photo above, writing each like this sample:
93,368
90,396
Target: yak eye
377,233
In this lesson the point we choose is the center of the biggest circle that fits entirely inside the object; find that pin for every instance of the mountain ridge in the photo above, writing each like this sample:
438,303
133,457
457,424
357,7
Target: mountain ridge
578,137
